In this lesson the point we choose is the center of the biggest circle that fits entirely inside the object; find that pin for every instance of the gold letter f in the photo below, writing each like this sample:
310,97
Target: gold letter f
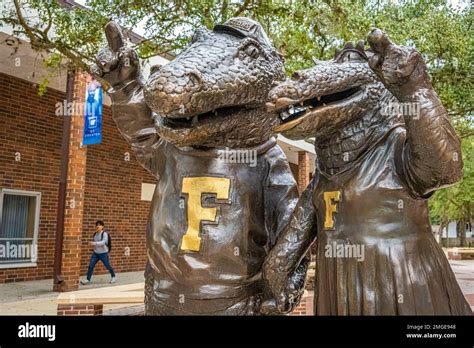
330,198
195,187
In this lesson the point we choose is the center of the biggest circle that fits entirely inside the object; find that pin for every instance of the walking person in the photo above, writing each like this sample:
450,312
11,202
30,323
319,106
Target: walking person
102,245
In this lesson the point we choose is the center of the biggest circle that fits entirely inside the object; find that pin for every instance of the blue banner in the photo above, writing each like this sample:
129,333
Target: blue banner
93,113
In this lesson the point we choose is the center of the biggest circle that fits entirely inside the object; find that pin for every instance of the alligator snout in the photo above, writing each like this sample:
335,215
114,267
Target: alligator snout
214,91
169,90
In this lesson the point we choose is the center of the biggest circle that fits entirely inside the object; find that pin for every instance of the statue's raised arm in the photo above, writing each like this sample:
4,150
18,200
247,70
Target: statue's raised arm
431,157
119,66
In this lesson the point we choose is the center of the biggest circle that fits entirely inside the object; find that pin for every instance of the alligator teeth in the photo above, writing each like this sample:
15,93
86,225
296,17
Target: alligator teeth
284,102
284,115
292,111
195,120
318,97
298,110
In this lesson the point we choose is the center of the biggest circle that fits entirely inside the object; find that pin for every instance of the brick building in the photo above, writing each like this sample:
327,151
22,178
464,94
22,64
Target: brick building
104,181
112,189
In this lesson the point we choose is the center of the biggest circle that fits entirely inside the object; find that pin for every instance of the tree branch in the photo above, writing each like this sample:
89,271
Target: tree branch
40,40
242,8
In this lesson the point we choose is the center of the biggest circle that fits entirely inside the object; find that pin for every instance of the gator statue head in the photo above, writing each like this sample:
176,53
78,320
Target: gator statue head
214,92
339,102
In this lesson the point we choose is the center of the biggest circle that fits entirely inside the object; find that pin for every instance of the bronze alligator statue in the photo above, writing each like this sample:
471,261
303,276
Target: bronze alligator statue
384,143
213,219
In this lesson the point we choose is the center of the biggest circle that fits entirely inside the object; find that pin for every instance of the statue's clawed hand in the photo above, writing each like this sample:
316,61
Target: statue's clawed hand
286,291
401,69
116,63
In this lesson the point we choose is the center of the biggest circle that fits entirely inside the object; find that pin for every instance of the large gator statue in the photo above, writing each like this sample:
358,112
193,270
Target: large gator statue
213,219
376,167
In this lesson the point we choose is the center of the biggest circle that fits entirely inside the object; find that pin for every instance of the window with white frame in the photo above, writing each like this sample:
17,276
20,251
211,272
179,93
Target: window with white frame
19,225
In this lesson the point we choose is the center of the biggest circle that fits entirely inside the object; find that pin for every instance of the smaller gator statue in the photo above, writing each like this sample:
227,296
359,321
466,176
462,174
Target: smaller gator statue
199,125
376,167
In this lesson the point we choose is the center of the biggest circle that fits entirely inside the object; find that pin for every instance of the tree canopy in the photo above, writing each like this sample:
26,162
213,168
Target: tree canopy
300,29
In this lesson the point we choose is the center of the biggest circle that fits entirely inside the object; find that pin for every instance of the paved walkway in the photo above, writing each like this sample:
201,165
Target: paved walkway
464,271
36,297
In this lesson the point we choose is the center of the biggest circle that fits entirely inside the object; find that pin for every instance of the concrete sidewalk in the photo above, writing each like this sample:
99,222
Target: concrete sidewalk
37,298
464,271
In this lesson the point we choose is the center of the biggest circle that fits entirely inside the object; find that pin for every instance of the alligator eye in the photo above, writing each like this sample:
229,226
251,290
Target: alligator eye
195,37
296,75
155,68
252,51
199,34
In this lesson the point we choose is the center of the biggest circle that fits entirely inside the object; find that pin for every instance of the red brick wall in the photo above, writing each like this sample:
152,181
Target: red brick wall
113,194
80,310
303,171
305,307
73,212
28,125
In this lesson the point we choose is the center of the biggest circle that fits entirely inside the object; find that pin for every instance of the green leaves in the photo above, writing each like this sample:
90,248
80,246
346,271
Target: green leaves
300,29
456,202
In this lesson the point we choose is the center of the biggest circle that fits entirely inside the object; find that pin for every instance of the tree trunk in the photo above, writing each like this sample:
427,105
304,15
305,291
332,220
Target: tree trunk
462,232
469,220
441,241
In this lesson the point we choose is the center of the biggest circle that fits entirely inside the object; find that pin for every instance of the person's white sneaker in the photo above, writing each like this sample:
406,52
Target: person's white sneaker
113,280
85,282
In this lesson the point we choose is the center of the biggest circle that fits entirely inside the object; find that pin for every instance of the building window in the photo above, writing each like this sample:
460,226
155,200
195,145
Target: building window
19,225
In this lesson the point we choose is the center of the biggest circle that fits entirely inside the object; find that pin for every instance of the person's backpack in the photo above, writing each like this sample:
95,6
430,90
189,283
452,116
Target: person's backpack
109,241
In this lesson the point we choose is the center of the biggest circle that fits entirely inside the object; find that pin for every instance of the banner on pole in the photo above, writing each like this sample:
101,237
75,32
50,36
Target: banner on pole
92,113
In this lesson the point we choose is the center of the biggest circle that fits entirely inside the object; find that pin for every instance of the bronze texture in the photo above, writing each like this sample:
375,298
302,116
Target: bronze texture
384,144
213,218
